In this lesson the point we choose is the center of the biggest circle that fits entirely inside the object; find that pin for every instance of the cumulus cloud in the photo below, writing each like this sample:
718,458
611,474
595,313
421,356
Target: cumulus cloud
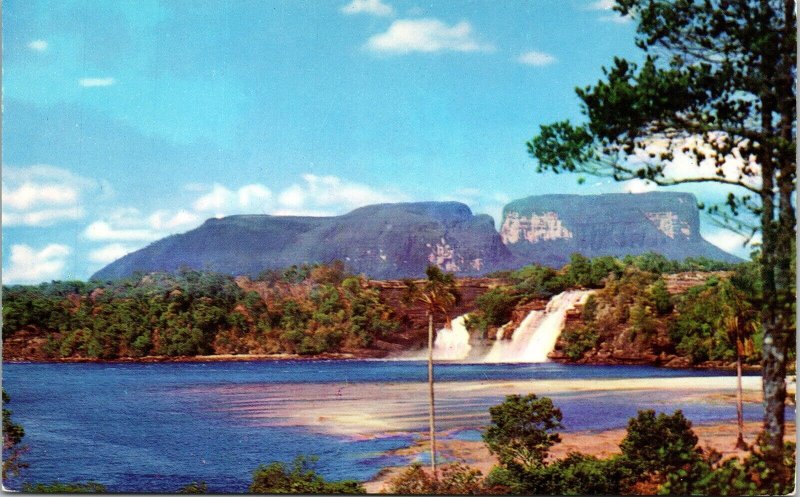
44,195
125,230
607,6
327,195
103,231
535,58
426,35
602,5
38,45
29,265
249,199
683,166
96,82
732,242
638,186
371,7
109,253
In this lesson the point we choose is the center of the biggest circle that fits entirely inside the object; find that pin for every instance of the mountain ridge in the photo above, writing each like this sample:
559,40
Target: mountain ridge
386,241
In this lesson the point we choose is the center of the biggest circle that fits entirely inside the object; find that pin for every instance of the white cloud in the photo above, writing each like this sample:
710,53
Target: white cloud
103,231
330,195
38,45
534,58
684,166
638,186
602,5
96,82
30,194
29,265
426,35
109,253
43,195
732,242
163,220
372,7
42,217
616,19
611,16
249,199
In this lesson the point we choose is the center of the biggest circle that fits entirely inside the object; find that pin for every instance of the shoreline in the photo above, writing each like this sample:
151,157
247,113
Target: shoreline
351,356
601,444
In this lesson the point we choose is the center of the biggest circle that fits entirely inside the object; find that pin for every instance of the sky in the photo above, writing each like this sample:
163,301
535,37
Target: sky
127,121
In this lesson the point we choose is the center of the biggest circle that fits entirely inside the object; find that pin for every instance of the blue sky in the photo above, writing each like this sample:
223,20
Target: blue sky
124,122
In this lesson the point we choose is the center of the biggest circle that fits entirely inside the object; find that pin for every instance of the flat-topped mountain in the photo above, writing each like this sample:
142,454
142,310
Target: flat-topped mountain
383,241
546,229
400,240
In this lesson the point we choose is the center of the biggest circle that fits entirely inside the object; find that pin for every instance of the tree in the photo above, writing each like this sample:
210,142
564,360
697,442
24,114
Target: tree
715,96
12,437
659,444
438,295
522,430
299,478
736,319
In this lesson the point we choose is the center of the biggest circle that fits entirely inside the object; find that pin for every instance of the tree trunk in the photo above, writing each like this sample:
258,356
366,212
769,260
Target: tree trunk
740,443
432,420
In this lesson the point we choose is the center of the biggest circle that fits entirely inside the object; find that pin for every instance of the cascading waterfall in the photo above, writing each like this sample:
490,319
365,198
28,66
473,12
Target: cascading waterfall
452,344
536,336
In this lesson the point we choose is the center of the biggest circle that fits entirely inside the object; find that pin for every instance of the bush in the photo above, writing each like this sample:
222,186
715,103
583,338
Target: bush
299,478
663,443
194,488
522,430
64,488
455,479
579,341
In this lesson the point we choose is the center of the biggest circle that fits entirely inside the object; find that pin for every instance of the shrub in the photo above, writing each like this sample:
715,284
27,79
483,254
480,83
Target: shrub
64,488
299,478
522,430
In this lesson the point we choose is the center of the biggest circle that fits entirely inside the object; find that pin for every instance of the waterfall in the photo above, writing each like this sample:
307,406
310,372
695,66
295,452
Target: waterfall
536,336
452,344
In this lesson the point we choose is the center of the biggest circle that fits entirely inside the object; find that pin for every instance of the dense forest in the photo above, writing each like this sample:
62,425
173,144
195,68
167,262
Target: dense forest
317,309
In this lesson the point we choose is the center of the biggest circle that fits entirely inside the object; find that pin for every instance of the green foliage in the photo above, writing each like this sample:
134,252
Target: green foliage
12,432
298,478
580,340
663,443
494,308
12,437
194,488
64,488
306,310
701,330
522,430
455,479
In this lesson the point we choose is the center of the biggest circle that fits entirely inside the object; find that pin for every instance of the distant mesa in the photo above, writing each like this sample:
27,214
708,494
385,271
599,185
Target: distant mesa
388,241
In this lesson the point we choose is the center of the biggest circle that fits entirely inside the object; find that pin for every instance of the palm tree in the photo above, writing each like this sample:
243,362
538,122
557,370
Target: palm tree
737,316
438,294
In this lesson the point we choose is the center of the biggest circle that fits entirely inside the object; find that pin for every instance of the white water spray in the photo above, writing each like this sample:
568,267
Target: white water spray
452,344
536,336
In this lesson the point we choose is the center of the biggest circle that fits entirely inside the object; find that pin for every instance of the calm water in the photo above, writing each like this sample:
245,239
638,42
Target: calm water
157,427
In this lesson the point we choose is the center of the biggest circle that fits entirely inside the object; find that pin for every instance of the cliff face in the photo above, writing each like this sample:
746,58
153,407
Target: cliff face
400,240
383,241
546,229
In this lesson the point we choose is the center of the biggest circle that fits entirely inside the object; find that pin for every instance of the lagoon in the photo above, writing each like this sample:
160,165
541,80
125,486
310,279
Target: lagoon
157,427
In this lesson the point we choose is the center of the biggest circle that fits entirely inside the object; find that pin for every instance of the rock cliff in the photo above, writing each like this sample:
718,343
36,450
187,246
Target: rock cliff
400,240
546,229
